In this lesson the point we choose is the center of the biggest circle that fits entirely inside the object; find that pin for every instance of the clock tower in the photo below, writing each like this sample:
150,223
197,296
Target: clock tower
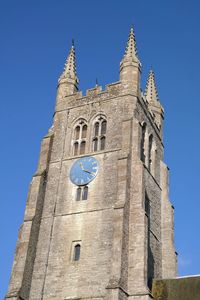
98,223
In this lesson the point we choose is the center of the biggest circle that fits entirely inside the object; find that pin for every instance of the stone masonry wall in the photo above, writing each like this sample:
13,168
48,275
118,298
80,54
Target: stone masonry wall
111,225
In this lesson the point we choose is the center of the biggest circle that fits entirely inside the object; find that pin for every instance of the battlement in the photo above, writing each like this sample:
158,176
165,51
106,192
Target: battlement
97,93
94,94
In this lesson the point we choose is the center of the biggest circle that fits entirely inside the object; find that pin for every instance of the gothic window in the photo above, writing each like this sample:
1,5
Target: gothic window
82,193
150,152
79,140
142,145
77,132
77,252
96,129
103,127
84,131
99,134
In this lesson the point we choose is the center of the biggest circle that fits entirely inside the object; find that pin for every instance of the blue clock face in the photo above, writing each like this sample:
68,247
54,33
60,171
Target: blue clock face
84,170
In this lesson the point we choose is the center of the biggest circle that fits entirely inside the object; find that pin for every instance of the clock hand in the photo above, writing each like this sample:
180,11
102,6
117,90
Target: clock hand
89,172
82,168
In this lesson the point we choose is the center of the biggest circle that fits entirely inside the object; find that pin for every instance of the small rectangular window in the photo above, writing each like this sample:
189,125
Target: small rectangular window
76,251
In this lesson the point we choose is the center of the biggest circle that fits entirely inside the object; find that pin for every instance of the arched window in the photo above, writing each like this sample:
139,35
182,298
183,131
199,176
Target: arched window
77,132
142,145
77,252
82,193
96,129
84,131
99,134
103,127
80,135
150,152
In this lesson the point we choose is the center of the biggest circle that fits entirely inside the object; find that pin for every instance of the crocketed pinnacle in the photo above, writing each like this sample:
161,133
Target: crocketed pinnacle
70,66
131,49
151,90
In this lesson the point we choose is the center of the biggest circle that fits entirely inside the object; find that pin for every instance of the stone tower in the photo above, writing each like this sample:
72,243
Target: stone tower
98,222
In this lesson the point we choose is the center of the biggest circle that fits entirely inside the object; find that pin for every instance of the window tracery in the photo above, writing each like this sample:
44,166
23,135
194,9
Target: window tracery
99,134
79,138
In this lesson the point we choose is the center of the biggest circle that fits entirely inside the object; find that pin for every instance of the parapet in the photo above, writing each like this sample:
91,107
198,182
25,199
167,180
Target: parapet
96,94
93,94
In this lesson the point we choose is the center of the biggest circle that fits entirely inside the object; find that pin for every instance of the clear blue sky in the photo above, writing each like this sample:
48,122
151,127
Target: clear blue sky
35,39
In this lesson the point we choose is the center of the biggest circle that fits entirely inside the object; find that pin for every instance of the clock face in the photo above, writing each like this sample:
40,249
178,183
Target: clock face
84,170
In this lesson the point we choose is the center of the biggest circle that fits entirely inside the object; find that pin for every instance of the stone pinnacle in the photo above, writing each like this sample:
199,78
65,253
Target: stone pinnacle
131,49
151,90
70,66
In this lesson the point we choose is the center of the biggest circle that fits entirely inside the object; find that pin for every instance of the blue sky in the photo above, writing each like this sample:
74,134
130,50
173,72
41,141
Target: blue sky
35,39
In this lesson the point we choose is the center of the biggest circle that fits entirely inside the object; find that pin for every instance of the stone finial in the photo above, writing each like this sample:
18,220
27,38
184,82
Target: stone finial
70,66
131,49
151,90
